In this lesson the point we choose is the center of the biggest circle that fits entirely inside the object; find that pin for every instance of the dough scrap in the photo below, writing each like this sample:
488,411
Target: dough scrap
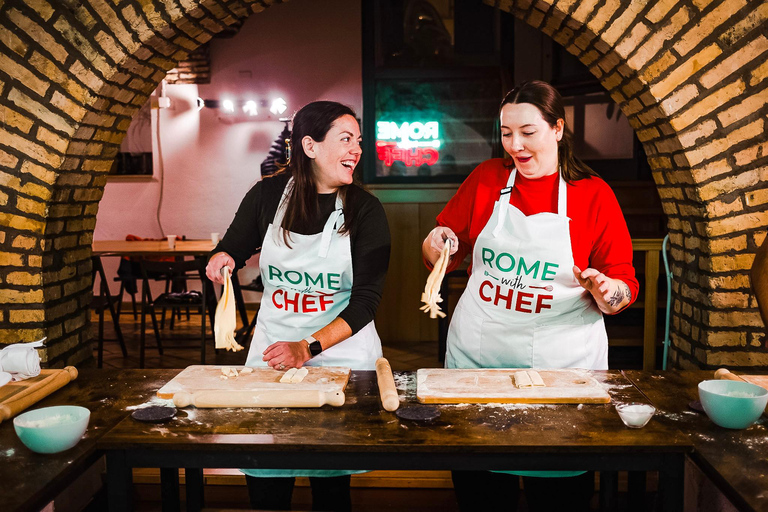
287,376
522,380
528,379
246,370
536,379
299,375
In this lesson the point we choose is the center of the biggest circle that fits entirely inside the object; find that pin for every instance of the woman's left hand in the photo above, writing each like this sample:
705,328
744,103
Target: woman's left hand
610,294
284,355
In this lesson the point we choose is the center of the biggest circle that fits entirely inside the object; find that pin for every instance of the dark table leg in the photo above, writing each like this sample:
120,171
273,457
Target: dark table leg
609,491
119,482
636,490
169,489
671,484
195,489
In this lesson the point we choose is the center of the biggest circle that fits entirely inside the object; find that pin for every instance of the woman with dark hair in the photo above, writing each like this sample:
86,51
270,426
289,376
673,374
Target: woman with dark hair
550,254
324,246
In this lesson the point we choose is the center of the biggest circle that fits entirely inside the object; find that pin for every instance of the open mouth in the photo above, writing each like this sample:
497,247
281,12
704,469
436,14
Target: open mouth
349,164
523,159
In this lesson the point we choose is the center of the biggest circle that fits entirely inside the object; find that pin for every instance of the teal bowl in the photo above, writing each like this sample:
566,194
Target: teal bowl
52,429
732,404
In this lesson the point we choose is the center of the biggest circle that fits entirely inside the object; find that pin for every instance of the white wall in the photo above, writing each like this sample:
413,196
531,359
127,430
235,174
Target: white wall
302,50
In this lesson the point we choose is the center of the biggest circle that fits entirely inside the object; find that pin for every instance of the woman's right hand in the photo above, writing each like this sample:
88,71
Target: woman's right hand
435,242
216,263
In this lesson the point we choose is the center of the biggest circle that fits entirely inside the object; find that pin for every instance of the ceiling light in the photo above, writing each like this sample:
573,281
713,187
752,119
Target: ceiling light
228,106
278,106
250,108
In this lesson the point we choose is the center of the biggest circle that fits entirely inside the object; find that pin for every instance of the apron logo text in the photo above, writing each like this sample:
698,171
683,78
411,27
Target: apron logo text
505,262
301,303
305,280
522,303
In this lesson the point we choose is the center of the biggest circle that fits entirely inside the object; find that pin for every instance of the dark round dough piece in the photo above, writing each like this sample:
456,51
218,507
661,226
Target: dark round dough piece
154,413
418,413
696,406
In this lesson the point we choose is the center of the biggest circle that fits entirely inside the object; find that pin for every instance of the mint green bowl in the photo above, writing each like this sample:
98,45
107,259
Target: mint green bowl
732,404
52,429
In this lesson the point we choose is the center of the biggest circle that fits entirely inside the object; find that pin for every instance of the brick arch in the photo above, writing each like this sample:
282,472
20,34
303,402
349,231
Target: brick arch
71,77
690,75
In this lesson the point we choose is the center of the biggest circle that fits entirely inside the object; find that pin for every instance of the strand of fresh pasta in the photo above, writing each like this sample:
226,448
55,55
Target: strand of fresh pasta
431,295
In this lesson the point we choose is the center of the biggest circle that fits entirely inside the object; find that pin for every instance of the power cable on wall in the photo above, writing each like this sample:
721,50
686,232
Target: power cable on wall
160,166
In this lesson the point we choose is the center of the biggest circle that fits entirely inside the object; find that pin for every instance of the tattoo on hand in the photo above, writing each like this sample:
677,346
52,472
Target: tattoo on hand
627,292
616,298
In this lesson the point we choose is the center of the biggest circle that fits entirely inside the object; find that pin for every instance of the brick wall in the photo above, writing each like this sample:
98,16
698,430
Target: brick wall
72,74
689,74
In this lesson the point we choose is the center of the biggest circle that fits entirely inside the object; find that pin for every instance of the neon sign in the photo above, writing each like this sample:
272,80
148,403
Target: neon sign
411,143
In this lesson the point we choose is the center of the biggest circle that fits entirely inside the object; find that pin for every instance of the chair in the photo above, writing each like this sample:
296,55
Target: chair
101,302
173,272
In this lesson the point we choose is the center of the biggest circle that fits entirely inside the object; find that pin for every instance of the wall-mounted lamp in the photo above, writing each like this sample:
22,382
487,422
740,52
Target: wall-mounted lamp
228,106
249,108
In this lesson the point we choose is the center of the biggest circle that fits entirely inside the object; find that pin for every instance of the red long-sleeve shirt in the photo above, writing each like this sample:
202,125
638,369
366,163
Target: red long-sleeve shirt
599,235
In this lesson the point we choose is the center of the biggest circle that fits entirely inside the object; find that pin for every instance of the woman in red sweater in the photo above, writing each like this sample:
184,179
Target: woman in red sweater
550,254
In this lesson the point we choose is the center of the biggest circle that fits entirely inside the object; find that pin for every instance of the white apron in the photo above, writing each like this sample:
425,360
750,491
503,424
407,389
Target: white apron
523,307
306,286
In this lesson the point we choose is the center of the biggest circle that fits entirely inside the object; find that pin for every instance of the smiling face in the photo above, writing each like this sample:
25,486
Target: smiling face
530,140
335,158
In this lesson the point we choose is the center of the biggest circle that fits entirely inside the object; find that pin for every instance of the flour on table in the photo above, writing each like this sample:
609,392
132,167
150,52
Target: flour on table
155,400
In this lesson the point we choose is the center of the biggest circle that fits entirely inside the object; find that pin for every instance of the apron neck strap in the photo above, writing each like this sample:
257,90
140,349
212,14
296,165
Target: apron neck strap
331,226
562,200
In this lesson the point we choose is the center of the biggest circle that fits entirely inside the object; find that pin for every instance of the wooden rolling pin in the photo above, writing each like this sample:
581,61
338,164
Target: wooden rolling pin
36,392
723,374
387,391
219,398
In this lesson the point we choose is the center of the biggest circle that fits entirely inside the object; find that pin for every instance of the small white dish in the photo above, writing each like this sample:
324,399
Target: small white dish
5,378
635,415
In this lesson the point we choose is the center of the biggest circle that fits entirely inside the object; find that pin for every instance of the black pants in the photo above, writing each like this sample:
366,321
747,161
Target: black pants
484,490
329,494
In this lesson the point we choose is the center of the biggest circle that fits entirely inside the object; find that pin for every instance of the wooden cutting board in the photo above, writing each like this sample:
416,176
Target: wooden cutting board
17,396
482,386
198,378
759,380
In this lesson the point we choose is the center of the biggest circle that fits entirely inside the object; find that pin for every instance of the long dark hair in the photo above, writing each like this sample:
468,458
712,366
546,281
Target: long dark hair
313,120
549,102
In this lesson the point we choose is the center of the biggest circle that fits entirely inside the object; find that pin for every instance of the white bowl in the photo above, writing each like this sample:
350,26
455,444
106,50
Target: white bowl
635,415
52,429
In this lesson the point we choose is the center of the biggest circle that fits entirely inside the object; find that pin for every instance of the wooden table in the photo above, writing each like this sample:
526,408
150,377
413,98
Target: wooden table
735,460
154,248
151,248
30,480
361,435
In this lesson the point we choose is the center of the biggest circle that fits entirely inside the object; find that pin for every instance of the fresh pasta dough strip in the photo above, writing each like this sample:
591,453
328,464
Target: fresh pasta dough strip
431,294
523,380
225,320
536,379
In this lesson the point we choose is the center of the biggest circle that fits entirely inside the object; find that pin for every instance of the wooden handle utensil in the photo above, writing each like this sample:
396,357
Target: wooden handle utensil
217,398
387,391
36,392
724,374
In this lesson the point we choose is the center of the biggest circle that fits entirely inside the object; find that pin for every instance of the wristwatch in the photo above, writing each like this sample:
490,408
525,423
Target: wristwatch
314,346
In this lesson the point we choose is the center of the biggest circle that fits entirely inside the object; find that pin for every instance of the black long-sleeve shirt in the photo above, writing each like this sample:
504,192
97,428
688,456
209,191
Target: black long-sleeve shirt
370,240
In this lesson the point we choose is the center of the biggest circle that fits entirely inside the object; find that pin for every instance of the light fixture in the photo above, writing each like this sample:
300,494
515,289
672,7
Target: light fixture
200,103
250,108
278,106
228,106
